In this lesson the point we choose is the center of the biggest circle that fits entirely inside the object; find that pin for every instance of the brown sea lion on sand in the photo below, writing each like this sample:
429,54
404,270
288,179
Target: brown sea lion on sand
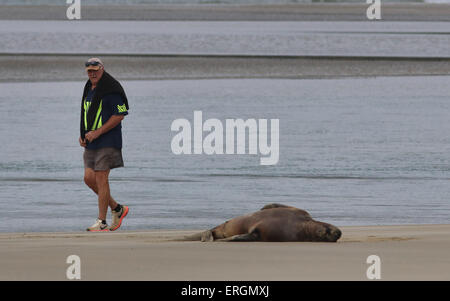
274,222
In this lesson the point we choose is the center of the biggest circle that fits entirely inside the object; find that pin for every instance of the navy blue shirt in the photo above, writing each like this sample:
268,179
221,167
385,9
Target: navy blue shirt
112,104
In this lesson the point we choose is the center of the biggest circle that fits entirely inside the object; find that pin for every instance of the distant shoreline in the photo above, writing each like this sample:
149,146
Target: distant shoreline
233,12
69,67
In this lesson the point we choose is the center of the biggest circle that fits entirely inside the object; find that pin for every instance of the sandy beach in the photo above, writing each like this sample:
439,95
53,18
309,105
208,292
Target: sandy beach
407,252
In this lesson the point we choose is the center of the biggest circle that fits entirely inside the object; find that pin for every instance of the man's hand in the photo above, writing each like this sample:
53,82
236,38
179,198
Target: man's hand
92,135
82,142
112,122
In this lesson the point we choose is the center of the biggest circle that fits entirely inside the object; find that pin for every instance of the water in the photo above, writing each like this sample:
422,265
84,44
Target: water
403,39
356,151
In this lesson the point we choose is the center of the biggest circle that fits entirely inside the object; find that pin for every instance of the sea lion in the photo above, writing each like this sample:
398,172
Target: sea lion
274,222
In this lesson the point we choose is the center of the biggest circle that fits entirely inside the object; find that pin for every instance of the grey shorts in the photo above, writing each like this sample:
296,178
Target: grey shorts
102,158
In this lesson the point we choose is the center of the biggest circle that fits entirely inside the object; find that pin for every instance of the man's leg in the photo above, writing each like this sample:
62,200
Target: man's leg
89,179
103,192
91,182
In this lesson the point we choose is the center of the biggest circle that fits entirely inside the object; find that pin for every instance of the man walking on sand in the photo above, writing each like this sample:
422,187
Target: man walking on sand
103,107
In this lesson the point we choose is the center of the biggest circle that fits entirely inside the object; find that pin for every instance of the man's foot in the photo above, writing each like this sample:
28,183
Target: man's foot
117,217
98,226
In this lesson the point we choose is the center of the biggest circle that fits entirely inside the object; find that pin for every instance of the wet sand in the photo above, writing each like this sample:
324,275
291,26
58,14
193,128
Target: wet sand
407,252
19,68
233,12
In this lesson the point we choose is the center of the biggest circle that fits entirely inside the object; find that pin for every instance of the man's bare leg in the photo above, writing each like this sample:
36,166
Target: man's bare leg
91,182
104,196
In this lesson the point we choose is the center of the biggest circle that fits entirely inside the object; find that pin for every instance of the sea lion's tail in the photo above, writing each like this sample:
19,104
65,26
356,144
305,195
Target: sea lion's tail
193,237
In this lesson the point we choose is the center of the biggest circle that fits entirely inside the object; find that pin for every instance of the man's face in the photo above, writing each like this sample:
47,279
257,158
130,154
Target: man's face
95,75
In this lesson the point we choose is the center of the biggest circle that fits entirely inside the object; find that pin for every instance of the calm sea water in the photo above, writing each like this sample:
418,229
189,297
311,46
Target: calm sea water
356,151
417,39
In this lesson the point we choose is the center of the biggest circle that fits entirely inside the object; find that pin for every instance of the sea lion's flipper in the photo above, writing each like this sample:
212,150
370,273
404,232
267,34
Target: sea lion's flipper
242,237
207,236
194,237
201,236
274,205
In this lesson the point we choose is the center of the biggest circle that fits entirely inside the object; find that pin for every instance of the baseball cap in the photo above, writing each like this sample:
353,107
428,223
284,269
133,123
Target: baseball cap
93,63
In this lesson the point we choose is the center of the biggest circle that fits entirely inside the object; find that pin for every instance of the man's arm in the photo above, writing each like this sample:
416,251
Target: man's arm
112,122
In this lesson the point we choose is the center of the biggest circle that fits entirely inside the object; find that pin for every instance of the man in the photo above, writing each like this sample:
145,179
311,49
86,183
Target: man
103,107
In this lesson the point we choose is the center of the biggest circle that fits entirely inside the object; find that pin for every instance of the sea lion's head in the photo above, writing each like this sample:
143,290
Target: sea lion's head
317,231
327,232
